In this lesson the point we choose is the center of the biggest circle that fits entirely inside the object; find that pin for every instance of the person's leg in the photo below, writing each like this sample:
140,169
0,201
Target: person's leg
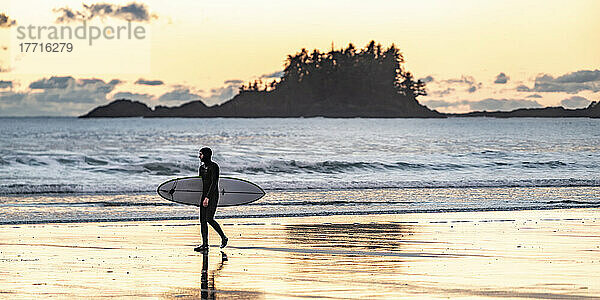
217,228
212,208
210,217
204,225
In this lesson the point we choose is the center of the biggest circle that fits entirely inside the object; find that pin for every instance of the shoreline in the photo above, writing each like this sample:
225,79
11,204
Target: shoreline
514,254
301,215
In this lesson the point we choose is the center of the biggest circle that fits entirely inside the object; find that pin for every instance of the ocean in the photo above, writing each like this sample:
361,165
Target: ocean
78,170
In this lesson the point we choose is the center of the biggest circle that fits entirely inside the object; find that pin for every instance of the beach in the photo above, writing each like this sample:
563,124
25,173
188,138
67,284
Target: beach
503,254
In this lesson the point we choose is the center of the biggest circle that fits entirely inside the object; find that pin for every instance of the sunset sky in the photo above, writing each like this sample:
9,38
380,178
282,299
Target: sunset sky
474,55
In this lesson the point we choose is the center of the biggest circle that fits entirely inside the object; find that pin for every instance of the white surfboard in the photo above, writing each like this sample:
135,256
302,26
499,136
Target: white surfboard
188,190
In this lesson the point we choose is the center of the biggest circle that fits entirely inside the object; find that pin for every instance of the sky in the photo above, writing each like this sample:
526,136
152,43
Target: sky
473,55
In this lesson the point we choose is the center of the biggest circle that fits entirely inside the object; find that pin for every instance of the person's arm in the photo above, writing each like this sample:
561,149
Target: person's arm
214,178
202,172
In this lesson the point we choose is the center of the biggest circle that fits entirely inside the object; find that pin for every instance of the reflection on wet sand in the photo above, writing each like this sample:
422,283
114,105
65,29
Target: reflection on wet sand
207,290
370,239
369,236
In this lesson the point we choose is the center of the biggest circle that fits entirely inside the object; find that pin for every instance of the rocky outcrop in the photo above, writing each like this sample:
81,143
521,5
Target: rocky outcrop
260,106
193,109
592,111
257,105
119,109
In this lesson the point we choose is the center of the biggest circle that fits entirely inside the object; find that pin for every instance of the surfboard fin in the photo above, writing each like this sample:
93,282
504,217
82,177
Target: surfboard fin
172,191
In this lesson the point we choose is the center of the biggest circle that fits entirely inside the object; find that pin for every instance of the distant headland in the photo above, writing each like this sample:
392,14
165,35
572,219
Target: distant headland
369,82
592,111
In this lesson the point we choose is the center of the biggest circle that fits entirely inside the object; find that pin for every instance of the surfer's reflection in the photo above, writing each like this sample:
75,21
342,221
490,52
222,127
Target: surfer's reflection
207,284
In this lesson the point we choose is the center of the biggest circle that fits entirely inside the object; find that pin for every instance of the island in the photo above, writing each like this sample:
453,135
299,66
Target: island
370,82
343,83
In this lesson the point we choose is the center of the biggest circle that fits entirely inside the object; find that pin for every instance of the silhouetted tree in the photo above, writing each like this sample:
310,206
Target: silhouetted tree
409,87
348,75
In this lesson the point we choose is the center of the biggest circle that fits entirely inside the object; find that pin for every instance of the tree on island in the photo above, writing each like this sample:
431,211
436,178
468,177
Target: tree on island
347,75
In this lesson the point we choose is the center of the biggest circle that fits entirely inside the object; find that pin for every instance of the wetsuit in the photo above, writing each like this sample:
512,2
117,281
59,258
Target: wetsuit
209,172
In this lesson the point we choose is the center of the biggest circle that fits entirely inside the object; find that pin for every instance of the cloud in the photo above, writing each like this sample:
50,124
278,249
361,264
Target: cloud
575,102
427,79
474,87
185,93
135,12
54,82
99,84
276,74
5,21
149,82
67,95
469,81
488,104
442,93
133,96
213,96
179,94
234,81
5,84
27,104
501,78
68,89
579,77
503,104
224,93
572,83
64,82
11,97
534,96
57,95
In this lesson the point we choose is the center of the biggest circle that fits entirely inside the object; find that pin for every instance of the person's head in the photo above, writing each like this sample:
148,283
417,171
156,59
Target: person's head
205,154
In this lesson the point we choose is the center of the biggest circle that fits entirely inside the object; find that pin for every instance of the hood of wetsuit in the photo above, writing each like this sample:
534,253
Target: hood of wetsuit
206,155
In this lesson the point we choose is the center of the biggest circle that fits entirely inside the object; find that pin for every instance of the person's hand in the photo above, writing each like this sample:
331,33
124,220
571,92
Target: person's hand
205,202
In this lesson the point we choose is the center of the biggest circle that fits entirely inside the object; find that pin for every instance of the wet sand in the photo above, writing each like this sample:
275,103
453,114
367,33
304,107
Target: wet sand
522,254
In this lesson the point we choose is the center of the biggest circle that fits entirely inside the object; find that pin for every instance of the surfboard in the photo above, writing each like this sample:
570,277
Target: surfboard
188,190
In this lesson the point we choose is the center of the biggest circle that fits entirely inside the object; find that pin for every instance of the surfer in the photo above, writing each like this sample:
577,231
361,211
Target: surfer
209,171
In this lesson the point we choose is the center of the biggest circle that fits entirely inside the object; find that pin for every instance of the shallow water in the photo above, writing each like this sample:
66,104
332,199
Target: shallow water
69,208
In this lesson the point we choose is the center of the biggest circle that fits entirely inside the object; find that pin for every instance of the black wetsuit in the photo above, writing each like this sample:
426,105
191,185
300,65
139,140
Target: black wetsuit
210,188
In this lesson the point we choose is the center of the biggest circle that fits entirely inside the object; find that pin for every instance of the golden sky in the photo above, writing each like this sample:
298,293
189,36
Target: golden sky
194,47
